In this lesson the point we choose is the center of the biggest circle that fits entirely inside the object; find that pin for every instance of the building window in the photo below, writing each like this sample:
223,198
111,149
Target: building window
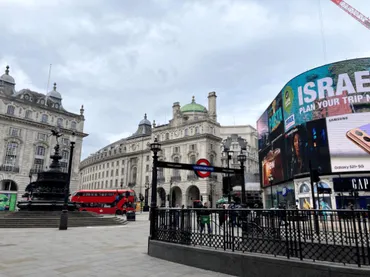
40,151
147,158
60,122
192,160
147,179
122,170
147,168
14,132
73,125
186,132
28,114
176,172
10,110
11,154
133,175
116,183
41,137
117,172
111,183
176,149
111,173
211,160
44,118
38,165
117,163
196,130
167,136
65,155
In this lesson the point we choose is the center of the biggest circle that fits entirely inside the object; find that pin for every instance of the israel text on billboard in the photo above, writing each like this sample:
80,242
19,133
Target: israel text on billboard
330,90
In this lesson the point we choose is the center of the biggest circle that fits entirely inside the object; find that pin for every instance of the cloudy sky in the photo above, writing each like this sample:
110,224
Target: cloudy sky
124,58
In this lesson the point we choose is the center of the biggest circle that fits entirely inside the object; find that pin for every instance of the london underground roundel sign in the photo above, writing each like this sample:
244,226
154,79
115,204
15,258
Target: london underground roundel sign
203,174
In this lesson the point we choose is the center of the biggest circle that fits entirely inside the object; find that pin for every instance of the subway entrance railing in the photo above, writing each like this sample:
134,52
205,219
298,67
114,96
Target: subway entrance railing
339,236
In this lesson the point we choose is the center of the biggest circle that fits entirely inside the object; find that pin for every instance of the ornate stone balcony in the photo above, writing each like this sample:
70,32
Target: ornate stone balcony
176,179
9,168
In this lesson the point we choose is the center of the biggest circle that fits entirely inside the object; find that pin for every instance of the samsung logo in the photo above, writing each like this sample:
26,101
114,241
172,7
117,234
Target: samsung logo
289,122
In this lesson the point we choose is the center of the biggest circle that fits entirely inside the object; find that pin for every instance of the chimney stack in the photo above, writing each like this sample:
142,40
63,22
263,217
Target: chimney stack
212,105
175,109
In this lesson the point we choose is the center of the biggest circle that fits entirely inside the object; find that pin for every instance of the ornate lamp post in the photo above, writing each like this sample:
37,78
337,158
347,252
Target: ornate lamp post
271,180
146,206
242,158
155,147
228,155
170,196
63,223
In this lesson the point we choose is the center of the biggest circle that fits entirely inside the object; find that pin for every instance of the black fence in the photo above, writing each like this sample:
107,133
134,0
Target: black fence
340,236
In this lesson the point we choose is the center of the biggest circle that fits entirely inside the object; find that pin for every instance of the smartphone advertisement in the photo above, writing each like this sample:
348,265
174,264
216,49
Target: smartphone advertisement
349,142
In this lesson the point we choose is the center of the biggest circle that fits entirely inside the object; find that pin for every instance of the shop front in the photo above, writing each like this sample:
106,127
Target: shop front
282,195
324,198
352,191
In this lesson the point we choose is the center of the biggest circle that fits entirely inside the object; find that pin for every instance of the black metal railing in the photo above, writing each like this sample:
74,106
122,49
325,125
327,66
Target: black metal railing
9,168
339,236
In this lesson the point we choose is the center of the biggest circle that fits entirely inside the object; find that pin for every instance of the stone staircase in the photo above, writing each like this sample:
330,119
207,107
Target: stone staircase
50,219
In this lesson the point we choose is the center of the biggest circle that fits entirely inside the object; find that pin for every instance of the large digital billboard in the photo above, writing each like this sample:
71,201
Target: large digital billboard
324,117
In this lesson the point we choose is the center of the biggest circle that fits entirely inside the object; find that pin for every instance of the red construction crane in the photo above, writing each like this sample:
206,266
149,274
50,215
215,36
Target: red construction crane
364,20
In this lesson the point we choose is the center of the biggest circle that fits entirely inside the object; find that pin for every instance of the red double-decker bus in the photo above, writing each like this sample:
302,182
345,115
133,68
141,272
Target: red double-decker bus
105,201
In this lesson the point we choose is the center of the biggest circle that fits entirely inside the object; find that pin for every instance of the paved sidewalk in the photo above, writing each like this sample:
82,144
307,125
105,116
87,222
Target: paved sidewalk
95,251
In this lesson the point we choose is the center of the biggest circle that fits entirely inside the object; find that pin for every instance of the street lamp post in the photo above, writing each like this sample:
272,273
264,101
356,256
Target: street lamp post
63,223
155,147
146,206
170,196
271,180
242,158
229,154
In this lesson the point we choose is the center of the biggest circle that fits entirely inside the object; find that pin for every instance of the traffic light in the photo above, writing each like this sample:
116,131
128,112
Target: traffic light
315,176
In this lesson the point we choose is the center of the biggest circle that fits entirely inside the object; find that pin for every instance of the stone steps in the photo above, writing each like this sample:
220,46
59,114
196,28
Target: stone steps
26,219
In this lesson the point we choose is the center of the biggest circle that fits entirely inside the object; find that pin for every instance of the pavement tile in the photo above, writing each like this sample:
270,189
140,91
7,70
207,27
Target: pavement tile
101,251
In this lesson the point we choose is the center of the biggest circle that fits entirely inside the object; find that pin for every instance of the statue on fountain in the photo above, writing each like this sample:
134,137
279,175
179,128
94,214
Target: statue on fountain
47,193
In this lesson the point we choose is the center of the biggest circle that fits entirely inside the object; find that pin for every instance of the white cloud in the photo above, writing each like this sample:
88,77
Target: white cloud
124,58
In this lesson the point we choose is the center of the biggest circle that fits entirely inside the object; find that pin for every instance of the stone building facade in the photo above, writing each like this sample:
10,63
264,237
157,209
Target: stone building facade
192,133
26,118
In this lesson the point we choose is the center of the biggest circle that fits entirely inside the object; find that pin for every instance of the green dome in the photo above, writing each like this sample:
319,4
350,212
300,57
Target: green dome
193,107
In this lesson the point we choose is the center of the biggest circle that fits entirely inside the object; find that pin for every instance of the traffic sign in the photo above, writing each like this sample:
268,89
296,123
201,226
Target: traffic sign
203,168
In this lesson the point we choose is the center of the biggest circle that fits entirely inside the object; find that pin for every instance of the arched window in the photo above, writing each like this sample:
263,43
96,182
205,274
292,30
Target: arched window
186,132
73,125
11,154
44,118
10,110
167,136
28,114
192,159
304,188
60,122
196,130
